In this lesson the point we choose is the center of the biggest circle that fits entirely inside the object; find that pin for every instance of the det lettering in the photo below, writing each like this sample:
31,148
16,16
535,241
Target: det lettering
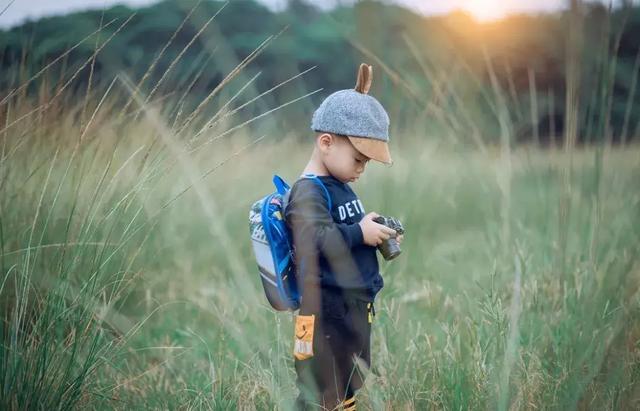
350,209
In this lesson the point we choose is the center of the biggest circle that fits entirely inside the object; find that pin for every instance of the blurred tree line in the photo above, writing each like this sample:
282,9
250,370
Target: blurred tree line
447,74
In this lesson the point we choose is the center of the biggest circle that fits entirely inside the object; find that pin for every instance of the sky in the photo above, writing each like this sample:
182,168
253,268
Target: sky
484,10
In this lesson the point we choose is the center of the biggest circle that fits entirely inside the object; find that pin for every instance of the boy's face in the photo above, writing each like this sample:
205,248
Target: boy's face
341,158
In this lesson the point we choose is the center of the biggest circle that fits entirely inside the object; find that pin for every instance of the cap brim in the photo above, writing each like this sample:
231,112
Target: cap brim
372,148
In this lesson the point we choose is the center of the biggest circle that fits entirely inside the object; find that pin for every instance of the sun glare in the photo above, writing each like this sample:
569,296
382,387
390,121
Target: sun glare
485,10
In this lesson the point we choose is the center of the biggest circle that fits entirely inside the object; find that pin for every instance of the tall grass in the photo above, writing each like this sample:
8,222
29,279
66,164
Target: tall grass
128,279
71,252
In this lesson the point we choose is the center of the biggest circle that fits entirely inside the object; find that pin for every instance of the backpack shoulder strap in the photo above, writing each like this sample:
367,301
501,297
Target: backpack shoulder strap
321,184
281,186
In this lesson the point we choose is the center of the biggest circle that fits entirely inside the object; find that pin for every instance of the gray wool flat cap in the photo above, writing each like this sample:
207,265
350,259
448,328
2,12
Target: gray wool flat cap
351,113
357,115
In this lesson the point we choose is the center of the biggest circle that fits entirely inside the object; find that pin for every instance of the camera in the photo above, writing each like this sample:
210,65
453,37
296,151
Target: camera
390,248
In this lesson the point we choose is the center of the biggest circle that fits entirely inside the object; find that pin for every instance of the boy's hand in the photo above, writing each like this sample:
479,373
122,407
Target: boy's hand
374,233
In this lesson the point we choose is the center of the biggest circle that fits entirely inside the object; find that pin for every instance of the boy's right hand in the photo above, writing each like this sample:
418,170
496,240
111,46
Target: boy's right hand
374,233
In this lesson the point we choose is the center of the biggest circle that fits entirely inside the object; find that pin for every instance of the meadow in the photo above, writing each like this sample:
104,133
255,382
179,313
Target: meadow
517,287
128,280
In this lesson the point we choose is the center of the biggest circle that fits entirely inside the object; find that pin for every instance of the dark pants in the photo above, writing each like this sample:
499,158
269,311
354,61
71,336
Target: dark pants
341,340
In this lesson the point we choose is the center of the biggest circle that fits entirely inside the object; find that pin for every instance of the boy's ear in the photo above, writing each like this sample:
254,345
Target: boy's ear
325,140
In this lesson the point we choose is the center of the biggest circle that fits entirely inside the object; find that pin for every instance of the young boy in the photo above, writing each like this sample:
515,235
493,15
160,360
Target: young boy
335,249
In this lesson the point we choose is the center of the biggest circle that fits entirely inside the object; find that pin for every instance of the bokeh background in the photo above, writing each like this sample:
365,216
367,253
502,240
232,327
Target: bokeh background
134,140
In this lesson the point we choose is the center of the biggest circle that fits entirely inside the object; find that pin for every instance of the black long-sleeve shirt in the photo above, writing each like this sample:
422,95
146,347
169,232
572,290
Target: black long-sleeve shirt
328,244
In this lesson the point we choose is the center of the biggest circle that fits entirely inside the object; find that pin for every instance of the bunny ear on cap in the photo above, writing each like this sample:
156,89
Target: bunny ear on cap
372,148
365,75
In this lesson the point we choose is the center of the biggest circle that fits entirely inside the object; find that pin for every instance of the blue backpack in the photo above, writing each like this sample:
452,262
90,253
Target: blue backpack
273,245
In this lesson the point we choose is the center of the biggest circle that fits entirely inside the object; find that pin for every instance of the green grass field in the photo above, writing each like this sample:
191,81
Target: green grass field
517,287
128,279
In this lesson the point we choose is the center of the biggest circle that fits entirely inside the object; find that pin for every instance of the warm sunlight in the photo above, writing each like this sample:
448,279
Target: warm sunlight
485,10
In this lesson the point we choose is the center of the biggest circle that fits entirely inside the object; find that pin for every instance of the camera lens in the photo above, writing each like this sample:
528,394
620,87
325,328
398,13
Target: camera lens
390,249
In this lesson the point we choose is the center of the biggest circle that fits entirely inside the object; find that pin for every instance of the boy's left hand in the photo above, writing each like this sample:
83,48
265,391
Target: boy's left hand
399,238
